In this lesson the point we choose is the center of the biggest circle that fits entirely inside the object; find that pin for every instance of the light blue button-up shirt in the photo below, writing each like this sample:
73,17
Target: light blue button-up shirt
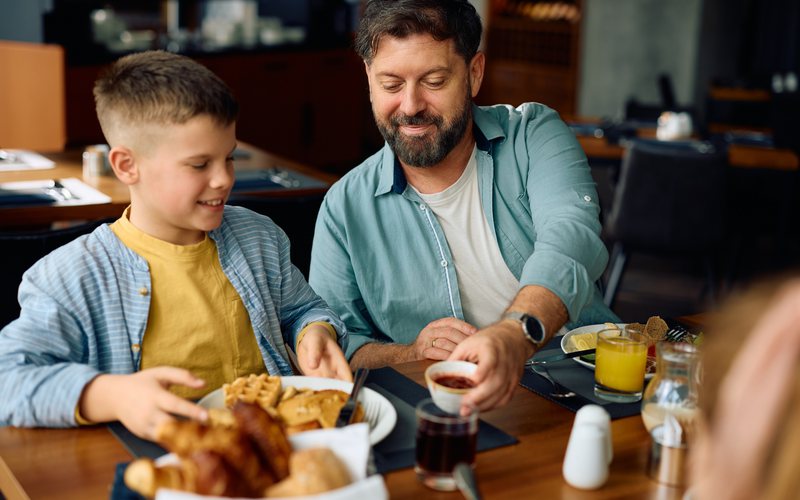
85,308
381,260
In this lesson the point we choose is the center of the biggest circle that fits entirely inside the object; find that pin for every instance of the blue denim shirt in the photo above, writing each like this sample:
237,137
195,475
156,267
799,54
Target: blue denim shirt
85,308
380,258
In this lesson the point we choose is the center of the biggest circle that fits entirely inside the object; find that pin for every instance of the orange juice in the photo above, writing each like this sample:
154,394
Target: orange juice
620,362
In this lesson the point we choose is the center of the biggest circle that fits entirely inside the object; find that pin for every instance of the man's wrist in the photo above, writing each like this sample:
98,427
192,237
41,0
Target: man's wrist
518,336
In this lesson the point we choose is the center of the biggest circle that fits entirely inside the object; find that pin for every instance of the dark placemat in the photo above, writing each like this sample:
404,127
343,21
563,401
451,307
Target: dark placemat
13,197
135,445
397,450
575,377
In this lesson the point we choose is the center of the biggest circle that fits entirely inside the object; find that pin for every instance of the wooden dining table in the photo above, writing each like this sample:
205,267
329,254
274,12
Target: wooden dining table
80,463
739,155
68,164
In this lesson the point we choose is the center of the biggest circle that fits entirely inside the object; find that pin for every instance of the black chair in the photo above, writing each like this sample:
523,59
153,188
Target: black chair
670,201
296,215
21,249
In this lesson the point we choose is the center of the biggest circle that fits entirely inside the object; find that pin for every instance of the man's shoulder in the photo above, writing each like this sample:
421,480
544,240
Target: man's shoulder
506,113
359,183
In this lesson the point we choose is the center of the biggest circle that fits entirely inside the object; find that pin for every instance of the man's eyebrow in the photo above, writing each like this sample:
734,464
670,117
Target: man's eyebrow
427,73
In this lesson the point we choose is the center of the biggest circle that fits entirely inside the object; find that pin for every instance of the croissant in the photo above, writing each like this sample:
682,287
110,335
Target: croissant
314,470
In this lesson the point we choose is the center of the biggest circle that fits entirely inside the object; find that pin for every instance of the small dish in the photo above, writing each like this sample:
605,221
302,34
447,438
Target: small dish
448,381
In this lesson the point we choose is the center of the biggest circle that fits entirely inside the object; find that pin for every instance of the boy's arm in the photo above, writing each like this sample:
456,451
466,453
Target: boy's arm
43,355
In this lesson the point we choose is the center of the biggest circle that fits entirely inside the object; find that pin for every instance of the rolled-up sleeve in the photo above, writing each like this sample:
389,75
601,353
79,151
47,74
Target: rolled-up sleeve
568,255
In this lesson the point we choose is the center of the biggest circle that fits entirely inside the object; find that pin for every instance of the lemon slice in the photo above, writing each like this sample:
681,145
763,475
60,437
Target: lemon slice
582,341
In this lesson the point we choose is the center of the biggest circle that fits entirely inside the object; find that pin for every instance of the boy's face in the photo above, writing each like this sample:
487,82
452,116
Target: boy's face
183,179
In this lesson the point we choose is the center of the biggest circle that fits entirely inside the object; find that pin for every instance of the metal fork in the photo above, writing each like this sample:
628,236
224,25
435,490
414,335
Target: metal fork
675,334
559,391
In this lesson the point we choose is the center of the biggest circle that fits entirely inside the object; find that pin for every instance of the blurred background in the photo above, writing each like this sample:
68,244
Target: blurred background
729,64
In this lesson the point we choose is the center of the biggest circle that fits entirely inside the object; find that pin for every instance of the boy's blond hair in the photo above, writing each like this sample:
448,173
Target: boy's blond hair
158,88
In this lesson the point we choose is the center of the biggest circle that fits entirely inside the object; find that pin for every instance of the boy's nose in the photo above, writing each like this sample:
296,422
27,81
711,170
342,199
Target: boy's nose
222,178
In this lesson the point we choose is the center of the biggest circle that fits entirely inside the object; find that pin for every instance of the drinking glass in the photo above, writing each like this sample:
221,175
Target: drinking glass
620,363
443,441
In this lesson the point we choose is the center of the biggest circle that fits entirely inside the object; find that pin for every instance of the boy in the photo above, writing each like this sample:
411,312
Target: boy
181,292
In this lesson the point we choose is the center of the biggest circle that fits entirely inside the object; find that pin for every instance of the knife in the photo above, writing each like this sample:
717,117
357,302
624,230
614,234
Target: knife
559,357
349,409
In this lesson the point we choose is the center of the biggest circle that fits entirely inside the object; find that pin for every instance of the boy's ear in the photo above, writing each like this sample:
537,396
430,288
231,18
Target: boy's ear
124,164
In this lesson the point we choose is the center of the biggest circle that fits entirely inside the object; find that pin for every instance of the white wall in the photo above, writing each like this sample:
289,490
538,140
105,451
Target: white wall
626,44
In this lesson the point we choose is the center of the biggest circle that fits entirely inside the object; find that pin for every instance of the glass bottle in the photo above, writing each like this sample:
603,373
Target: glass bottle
673,388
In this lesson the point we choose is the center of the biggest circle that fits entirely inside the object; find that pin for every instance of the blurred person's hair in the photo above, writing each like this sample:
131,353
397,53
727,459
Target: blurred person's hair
727,333
159,88
441,19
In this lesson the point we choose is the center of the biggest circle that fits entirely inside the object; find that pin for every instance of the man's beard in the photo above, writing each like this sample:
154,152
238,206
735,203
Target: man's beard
430,148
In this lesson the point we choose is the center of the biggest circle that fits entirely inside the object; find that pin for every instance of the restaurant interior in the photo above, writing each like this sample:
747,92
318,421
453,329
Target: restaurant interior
714,84
617,65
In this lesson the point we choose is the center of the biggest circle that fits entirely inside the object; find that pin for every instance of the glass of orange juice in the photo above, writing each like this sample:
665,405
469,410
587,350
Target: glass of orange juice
620,363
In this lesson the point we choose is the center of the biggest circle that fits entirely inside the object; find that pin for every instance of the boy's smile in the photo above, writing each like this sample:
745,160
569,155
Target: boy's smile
183,179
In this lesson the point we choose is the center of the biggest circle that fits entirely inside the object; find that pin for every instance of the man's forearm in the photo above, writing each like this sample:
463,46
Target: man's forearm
543,304
377,355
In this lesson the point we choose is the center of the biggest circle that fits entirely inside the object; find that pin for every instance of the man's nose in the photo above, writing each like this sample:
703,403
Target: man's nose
413,101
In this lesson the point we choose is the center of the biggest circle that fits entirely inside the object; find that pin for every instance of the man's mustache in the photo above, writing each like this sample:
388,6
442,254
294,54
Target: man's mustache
418,119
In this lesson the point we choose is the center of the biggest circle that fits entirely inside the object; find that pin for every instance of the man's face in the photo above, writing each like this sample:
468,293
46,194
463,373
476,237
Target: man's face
184,180
421,91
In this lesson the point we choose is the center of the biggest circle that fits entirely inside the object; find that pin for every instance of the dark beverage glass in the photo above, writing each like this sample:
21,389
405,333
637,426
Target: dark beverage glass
443,440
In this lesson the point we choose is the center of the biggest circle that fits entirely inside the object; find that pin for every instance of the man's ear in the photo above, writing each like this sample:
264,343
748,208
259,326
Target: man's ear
369,80
476,67
123,164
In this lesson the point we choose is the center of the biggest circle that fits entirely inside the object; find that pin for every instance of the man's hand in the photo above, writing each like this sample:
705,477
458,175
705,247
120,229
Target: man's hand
441,337
320,356
141,400
500,351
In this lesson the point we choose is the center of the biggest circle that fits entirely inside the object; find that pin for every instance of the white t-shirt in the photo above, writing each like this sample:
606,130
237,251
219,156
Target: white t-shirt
485,283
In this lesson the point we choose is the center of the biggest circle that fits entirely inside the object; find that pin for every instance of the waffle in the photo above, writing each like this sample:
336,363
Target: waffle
263,390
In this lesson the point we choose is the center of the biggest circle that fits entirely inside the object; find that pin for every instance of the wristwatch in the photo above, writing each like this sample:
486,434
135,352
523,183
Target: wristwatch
532,327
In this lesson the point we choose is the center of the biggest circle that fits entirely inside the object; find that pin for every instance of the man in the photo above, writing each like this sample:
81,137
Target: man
469,224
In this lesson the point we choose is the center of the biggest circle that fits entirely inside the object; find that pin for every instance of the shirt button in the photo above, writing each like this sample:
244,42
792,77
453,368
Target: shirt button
443,263
143,291
135,347
587,198
422,207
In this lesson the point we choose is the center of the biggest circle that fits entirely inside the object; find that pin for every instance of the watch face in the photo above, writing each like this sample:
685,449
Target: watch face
534,329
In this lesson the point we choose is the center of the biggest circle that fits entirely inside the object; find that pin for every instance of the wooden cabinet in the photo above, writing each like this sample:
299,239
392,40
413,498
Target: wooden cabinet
533,53
310,106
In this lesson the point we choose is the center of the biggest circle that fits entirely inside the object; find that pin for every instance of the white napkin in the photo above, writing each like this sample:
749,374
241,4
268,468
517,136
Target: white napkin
351,445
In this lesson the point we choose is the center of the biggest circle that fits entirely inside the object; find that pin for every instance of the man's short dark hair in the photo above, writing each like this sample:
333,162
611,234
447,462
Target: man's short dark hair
442,19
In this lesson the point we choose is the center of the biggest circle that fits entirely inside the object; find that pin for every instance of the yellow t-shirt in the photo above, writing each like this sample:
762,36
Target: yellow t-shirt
197,320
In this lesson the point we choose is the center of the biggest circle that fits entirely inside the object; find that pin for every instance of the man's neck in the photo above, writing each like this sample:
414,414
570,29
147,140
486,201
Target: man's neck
437,178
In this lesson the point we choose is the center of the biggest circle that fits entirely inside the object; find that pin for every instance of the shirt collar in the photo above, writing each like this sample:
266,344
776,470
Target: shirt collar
485,128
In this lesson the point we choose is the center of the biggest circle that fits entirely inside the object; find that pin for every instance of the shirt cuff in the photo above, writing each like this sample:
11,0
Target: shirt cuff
328,326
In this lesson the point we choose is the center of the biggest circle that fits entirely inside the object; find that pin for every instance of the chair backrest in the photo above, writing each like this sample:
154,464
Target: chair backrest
669,199
296,215
32,99
21,249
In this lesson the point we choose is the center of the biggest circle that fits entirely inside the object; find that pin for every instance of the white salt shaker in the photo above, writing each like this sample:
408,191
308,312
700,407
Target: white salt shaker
598,416
586,461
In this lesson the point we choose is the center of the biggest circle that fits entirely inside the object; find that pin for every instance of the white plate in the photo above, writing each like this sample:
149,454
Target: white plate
382,420
588,329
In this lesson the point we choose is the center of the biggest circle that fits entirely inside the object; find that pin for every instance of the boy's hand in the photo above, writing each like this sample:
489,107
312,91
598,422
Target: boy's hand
141,400
320,356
